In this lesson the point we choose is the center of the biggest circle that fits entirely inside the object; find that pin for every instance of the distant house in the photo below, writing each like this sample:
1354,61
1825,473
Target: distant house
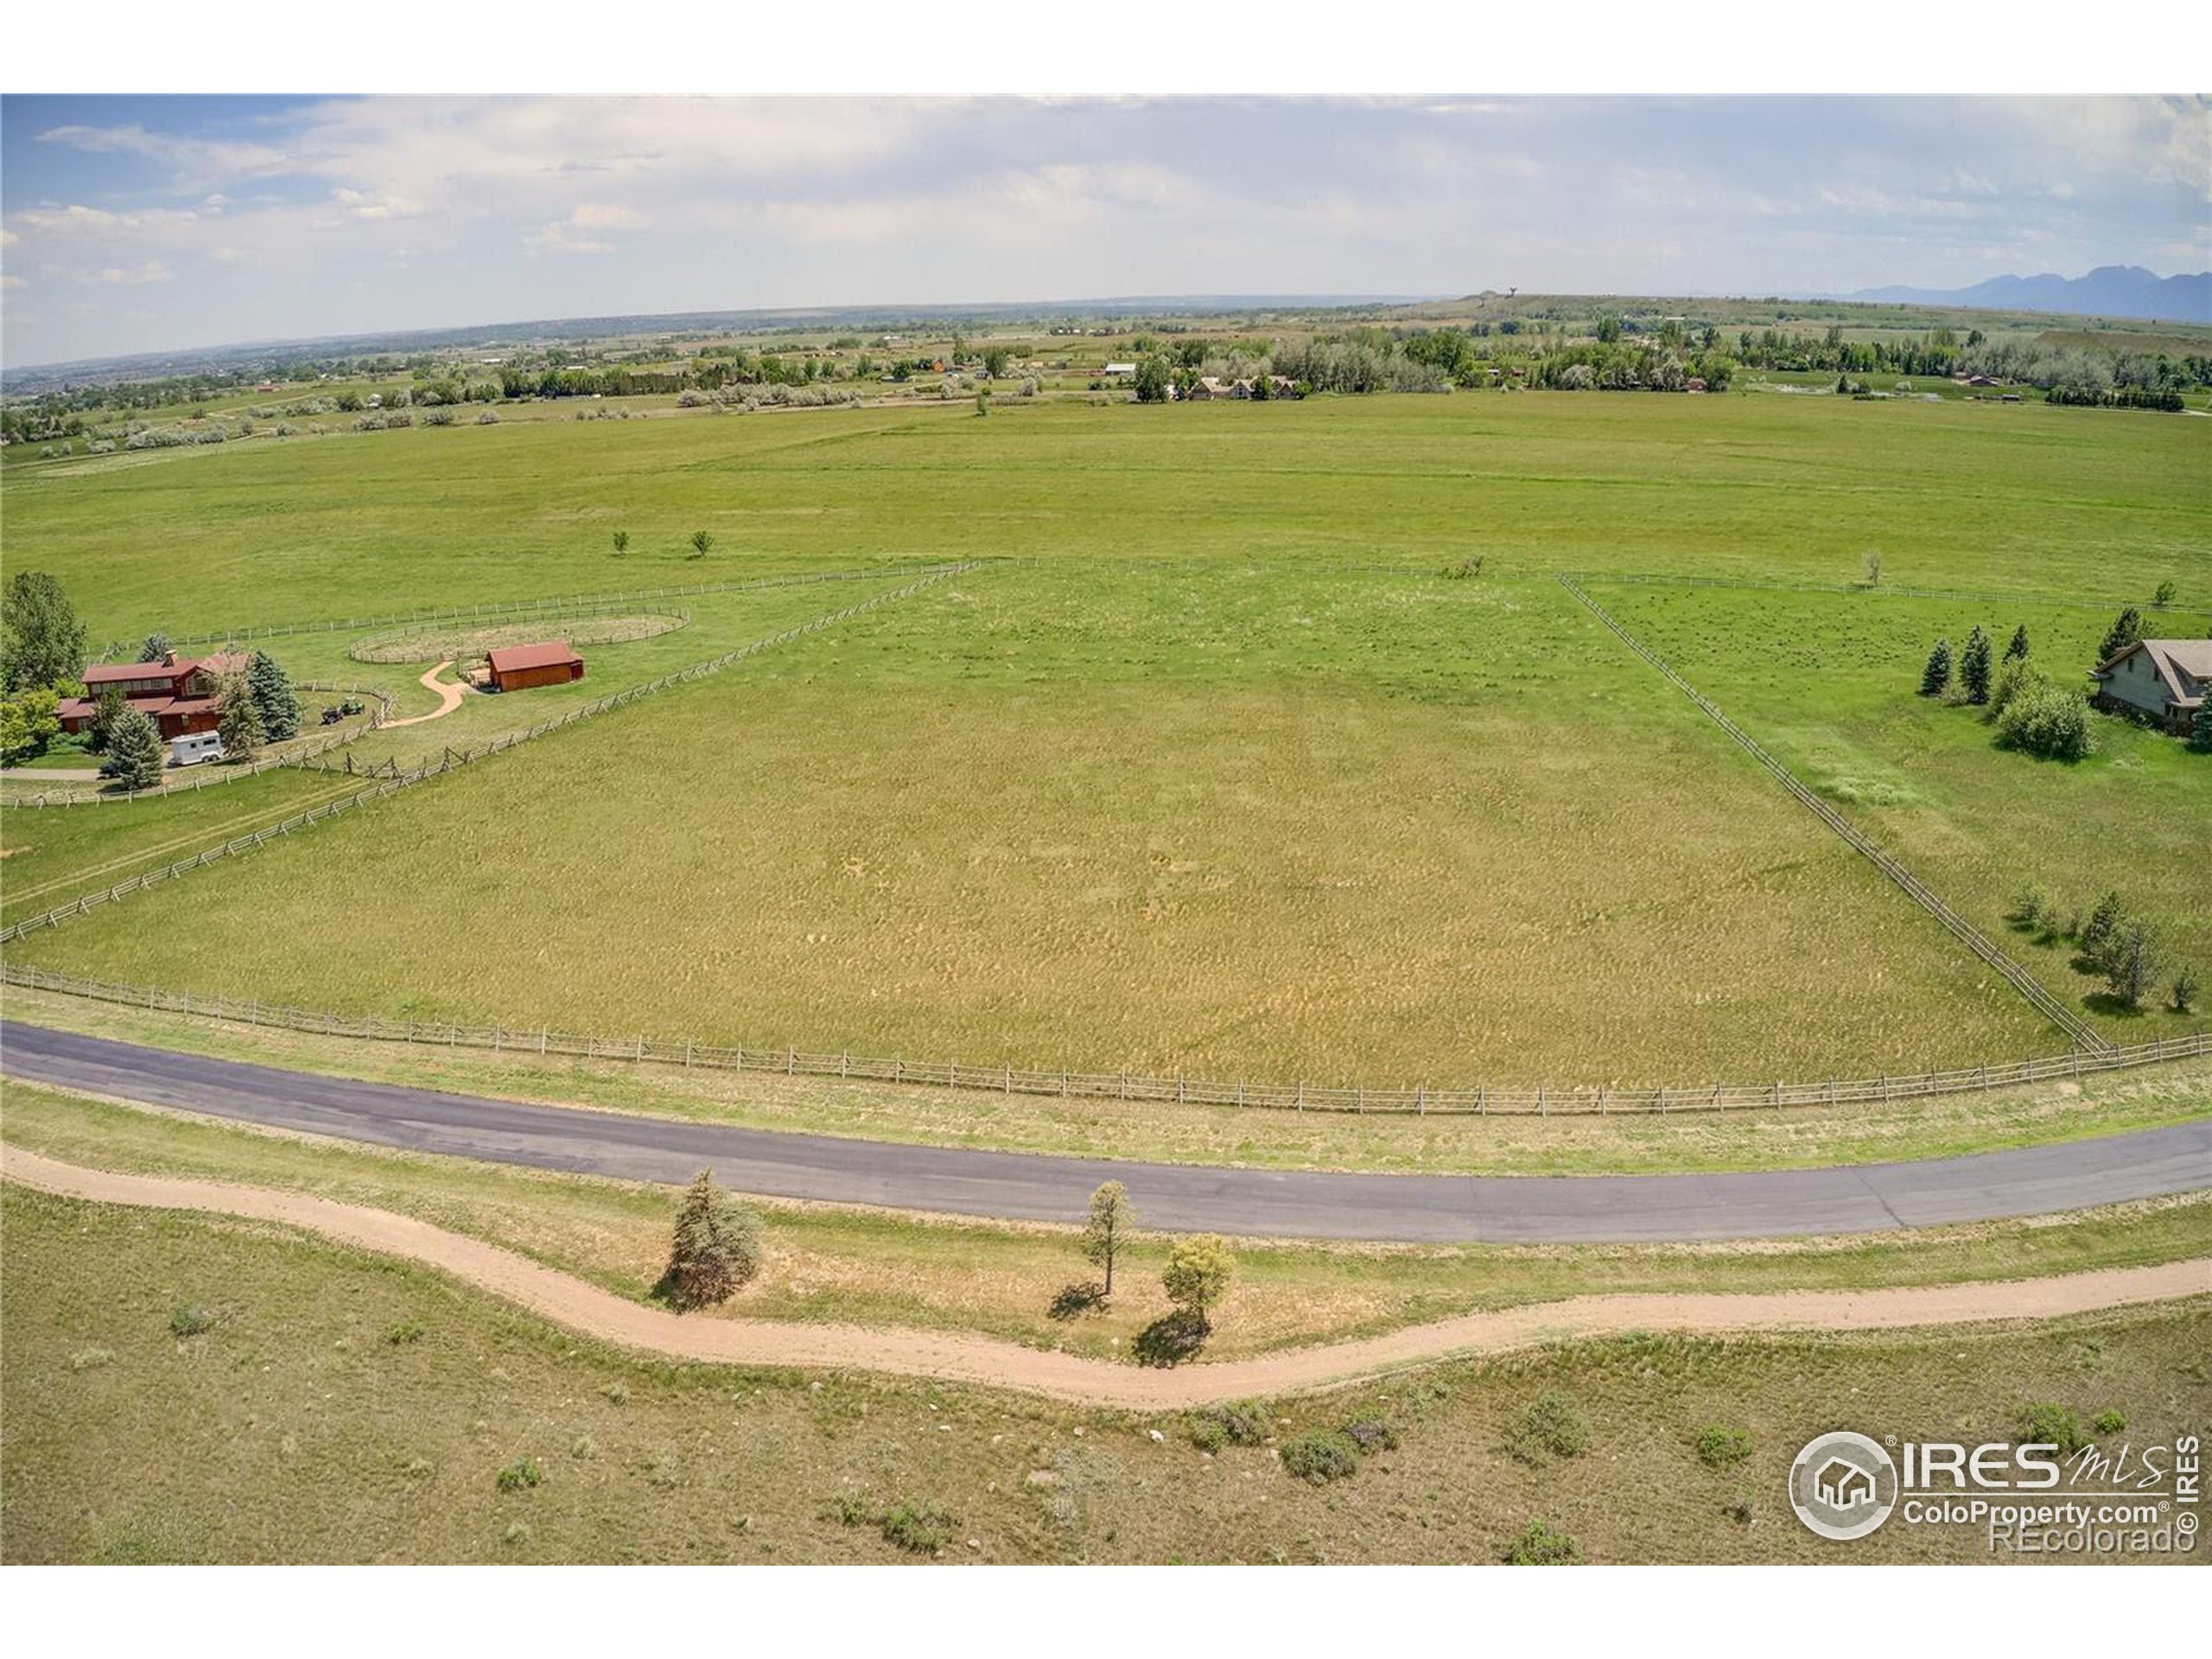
1695,383
1119,369
178,694
517,668
1206,387
2164,679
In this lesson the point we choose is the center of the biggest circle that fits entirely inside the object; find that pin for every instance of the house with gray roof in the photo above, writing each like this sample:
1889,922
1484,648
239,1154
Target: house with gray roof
2164,679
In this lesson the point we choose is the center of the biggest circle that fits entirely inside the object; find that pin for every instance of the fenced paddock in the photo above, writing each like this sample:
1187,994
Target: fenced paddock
452,757
1584,1101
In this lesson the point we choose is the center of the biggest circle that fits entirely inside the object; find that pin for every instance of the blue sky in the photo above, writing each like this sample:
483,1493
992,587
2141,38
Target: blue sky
137,223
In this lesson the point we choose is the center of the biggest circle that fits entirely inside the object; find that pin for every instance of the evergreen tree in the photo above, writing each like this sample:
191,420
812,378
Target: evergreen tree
279,705
1937,675
2132,963
154,648
239,719
44,642
107,709
134,750
2184,992
717,1246
1112,1216
1973,666
2017,650
2103,925
2124,633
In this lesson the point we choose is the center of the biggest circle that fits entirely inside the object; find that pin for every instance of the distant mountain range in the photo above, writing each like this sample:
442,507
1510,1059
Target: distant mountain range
2108,291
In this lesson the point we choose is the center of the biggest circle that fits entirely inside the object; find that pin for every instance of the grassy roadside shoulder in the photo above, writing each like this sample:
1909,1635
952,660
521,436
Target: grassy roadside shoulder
837,1263
1688,1142
338,1407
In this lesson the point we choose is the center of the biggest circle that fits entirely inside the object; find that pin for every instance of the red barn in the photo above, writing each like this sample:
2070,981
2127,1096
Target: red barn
517,668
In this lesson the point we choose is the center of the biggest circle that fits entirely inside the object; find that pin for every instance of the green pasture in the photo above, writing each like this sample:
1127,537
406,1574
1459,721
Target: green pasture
2020,498
1830,683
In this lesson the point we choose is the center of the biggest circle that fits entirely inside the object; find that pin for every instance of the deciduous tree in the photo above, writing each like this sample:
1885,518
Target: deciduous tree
44,642
1197,1274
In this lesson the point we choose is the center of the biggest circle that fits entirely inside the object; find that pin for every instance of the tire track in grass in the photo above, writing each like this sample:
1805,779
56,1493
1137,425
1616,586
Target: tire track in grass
2078,1031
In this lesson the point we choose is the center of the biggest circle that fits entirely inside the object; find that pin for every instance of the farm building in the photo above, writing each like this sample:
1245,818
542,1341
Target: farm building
517,668
2163,679
177,693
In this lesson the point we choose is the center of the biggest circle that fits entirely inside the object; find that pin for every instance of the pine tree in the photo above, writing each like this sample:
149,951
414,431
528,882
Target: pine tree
2017,650
134,750
1973,666
2132,963
1112,1216
2124,633
154,647
717,1246
2102,927
1937,675
273,696
239,719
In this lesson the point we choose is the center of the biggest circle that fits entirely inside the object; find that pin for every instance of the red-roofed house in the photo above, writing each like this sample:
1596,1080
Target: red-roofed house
179,693
517,668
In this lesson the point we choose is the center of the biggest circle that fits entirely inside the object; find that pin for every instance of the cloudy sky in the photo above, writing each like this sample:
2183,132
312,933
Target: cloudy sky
143,224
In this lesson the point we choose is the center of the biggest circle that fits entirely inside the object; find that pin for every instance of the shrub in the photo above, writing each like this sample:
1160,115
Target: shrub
1541,1544
519,1474
849,1507
191,1320
405,1331
2047,1424
1321,1456
489,418
922,1527
1552,1423
1372,1435
437,417
2185,991
584,1448
1239,1424
2015,680
2048,722
2109,1423
2036,910
1719,1446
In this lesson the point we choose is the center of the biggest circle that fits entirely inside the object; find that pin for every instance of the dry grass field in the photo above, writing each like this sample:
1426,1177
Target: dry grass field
338,1407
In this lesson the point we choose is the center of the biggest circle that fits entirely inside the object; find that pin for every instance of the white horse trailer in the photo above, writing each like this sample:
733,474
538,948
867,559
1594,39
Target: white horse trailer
194,747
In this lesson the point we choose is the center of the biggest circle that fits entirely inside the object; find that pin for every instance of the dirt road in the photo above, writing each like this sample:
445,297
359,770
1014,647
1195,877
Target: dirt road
990,1363
449,698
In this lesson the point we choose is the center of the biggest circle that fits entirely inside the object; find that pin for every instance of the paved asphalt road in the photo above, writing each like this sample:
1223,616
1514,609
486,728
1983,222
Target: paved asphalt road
1023,1186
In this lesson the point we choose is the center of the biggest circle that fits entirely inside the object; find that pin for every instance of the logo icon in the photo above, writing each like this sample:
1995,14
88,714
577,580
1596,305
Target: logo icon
1843,1486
